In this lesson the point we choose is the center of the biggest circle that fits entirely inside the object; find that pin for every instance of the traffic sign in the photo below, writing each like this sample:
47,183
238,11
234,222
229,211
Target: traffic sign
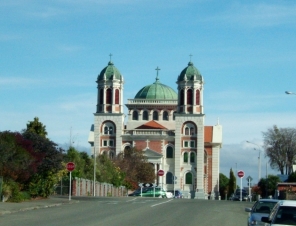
160,173
70,166
240,174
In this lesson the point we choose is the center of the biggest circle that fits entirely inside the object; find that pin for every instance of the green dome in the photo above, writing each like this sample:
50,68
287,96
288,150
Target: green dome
189,72
110,73
157,91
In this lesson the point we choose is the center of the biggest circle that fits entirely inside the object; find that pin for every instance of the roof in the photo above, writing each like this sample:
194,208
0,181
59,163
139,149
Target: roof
151,125
190,73
157,91
110,72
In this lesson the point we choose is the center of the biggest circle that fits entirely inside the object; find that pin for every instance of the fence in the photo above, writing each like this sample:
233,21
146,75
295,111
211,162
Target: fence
84,187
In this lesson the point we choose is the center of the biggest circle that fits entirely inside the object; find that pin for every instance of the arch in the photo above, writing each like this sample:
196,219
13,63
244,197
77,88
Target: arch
189,97
108,128
197,97
189,128
135,115
155,115
185,157
101,96
165,116
188,178
108,96
116,96
169,152
145,115
169,178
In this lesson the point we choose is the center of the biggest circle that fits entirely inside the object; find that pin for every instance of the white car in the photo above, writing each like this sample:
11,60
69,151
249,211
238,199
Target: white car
283,213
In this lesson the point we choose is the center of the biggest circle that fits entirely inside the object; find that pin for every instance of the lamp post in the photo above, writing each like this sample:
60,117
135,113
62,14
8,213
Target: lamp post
259,160
290,93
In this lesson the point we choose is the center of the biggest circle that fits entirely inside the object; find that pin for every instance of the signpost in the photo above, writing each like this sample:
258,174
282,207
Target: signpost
160,173
70,167
249,179
241,174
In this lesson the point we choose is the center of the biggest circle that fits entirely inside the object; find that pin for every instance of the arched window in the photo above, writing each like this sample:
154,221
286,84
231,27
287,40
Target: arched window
188,178
192,132
197,97
135,115
155,115
111,154
108,129
145,115
169,178
192,157
116,96
108,96
101,96
182,97
169,152
185,157
189,97
165,116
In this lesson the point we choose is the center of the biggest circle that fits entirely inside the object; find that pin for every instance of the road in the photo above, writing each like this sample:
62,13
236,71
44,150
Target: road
134,211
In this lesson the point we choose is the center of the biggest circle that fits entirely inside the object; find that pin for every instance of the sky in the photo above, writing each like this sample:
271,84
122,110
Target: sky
53,51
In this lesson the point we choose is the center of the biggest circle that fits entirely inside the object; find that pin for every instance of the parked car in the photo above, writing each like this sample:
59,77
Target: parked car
260,209
152,192
283,213
237,195
177,194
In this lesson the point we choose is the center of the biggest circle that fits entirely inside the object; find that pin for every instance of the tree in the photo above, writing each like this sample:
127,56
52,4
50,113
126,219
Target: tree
268,185
36,127
280,148
136,168
231,183
223,185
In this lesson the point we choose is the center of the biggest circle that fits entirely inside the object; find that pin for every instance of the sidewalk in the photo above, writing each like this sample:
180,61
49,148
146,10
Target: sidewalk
10,207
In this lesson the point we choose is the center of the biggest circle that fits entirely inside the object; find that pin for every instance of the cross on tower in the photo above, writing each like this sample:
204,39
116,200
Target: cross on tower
157,69
190,57
110,56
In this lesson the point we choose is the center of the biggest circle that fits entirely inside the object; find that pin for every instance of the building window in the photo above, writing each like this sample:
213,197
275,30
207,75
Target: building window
192,132
169,152
116,96
108,143
186,131
185,157
105,143
192,144
111,154
108,130
135,115
189,129
182,97
185,145
192,157
155,115
197,97
174,115
189,97
101,96
108,96
169,178
111,143
145,115
188,178
165,116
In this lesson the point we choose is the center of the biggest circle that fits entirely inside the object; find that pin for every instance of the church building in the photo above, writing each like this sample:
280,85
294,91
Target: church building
168,126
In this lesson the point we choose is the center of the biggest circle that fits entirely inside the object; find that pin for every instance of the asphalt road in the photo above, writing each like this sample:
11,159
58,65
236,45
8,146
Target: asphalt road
134,211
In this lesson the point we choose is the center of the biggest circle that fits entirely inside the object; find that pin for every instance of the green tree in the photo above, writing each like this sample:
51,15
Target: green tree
292,177
232,183
268,185
36,127
223,185
136,168
280,148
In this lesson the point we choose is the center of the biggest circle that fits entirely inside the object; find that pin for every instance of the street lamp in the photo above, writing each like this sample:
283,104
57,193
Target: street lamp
259,160
290,93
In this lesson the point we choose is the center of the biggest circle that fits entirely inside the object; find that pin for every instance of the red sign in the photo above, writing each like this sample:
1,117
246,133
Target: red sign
240,174
70,166
160,172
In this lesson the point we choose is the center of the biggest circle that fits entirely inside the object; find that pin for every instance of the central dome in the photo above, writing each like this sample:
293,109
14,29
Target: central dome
157,91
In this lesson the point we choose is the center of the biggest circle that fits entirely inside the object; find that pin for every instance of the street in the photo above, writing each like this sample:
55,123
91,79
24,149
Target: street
134,211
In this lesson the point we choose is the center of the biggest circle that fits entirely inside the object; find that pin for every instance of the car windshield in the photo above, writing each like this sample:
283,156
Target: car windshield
286,215
264,207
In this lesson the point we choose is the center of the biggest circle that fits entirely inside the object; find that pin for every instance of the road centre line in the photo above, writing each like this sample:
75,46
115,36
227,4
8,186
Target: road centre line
162,203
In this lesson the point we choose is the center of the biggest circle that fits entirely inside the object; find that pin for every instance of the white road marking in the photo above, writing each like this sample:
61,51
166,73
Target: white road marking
162,203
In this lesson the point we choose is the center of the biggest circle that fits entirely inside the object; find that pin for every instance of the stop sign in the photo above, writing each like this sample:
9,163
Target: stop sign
240,174
70,166
160,172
